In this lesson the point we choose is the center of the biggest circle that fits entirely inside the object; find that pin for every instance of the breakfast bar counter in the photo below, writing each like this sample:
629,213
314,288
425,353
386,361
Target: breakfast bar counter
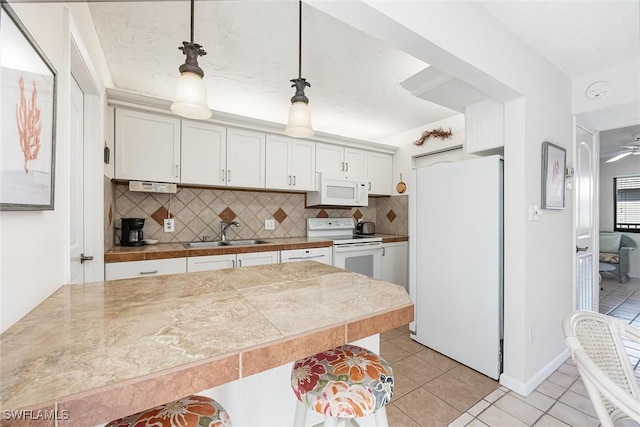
102,350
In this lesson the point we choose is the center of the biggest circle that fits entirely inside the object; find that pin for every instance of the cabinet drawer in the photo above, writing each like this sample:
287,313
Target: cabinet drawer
137,269
210,262
322,255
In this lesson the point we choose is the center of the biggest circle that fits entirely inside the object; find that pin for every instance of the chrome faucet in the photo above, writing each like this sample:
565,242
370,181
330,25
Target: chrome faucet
223,228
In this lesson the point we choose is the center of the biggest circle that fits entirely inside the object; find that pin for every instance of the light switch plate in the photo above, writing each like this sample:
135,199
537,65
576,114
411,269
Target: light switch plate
534,213
269,224
169,225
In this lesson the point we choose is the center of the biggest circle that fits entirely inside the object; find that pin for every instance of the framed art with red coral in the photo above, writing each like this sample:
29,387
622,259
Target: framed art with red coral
27,119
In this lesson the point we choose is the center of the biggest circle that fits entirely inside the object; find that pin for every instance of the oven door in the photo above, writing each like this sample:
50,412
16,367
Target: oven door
363,258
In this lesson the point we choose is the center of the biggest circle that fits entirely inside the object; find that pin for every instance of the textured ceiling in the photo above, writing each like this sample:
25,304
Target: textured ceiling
252,53
578,37
355,79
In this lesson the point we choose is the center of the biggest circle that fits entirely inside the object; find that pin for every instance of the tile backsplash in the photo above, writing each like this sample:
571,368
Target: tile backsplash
199,211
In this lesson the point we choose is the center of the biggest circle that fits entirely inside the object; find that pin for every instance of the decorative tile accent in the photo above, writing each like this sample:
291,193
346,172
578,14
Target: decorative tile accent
322,214
160,215
280,215
227,215
110,214
357,214
391,215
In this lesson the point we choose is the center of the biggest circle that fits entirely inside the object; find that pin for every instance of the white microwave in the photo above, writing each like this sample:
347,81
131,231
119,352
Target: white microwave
336,189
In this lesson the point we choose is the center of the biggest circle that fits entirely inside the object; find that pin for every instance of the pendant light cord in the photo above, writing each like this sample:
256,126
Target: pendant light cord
192,7
299,39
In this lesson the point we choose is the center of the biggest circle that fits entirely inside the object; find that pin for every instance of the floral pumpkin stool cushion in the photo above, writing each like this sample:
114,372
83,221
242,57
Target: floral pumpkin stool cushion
190,411
344,382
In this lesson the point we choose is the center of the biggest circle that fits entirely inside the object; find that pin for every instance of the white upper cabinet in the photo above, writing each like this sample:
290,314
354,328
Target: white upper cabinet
290,163
329,158
147,146
379,167
245,158
203,153
484,126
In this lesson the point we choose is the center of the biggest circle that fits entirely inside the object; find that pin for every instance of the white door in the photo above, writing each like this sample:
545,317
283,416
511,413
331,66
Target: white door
586,272
257,258
278,175
245,158
355,162
203,153
329,158
76,193
303,165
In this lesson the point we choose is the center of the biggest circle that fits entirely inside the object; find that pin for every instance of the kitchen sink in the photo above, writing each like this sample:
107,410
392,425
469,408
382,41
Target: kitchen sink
244,242
218,243
200,245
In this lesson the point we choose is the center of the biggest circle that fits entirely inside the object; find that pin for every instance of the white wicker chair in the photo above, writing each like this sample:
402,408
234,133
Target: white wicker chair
598,350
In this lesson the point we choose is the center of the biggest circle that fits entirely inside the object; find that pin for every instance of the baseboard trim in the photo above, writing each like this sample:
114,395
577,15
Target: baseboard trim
525,389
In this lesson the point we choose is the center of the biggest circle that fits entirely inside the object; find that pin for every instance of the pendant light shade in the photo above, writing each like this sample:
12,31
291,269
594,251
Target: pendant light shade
299,123
191,92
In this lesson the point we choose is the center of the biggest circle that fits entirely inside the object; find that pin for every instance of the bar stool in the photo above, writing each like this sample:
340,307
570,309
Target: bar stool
343,383
190,411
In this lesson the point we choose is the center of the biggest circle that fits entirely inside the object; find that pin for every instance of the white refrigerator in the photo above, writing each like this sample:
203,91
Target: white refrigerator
456,260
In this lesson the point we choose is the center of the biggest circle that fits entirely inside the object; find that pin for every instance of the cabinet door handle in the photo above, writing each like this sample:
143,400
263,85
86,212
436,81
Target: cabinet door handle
289,179
177,171
384,252
84,258
239,263
149,272
233,263
294,180
228,175
222,174
342,168
369,186
347,164
579,249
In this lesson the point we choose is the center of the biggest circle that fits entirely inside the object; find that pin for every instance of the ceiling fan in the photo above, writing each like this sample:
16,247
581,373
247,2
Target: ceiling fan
626,150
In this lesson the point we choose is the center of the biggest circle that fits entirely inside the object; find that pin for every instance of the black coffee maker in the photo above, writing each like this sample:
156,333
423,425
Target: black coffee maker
131,232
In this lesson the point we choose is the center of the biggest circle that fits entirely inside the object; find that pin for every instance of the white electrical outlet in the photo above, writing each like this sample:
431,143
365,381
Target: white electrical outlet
269,224
169,225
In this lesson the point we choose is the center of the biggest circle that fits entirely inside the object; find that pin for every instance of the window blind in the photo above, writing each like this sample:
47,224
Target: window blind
627,203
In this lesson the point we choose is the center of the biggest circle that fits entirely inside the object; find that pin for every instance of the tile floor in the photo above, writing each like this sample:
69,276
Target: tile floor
433,390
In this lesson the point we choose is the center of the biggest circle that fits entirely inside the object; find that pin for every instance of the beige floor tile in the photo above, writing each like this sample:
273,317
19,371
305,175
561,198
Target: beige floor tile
427,409
476,423
396,417
496,417
495,395
417,369
474,379
391,352
519,408
436,359
549,421
550,389
579,402
572,416
407,344
561,379
537,399
402,385
478,407
393,333
569,369
461,421
578,387
454,391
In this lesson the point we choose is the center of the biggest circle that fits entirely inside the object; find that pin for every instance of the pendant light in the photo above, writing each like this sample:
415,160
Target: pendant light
299,124
191,92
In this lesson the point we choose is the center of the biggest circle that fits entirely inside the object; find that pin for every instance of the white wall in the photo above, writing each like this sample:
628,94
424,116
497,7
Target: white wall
406,148
462,39
626,166
35,245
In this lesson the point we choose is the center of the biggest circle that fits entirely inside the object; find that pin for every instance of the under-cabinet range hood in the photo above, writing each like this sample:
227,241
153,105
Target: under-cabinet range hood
153,187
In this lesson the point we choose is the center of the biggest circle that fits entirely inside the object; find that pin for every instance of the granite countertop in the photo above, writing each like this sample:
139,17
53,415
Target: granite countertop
107,349
177,250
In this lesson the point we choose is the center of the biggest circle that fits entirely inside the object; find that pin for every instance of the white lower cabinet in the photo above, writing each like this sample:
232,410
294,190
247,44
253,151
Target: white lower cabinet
218,262
137,269
321,255
395,263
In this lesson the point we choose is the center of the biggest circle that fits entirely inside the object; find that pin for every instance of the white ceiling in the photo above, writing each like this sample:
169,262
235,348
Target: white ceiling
355,79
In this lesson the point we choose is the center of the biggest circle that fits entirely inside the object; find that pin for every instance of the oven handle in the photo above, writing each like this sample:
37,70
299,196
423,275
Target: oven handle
357,247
